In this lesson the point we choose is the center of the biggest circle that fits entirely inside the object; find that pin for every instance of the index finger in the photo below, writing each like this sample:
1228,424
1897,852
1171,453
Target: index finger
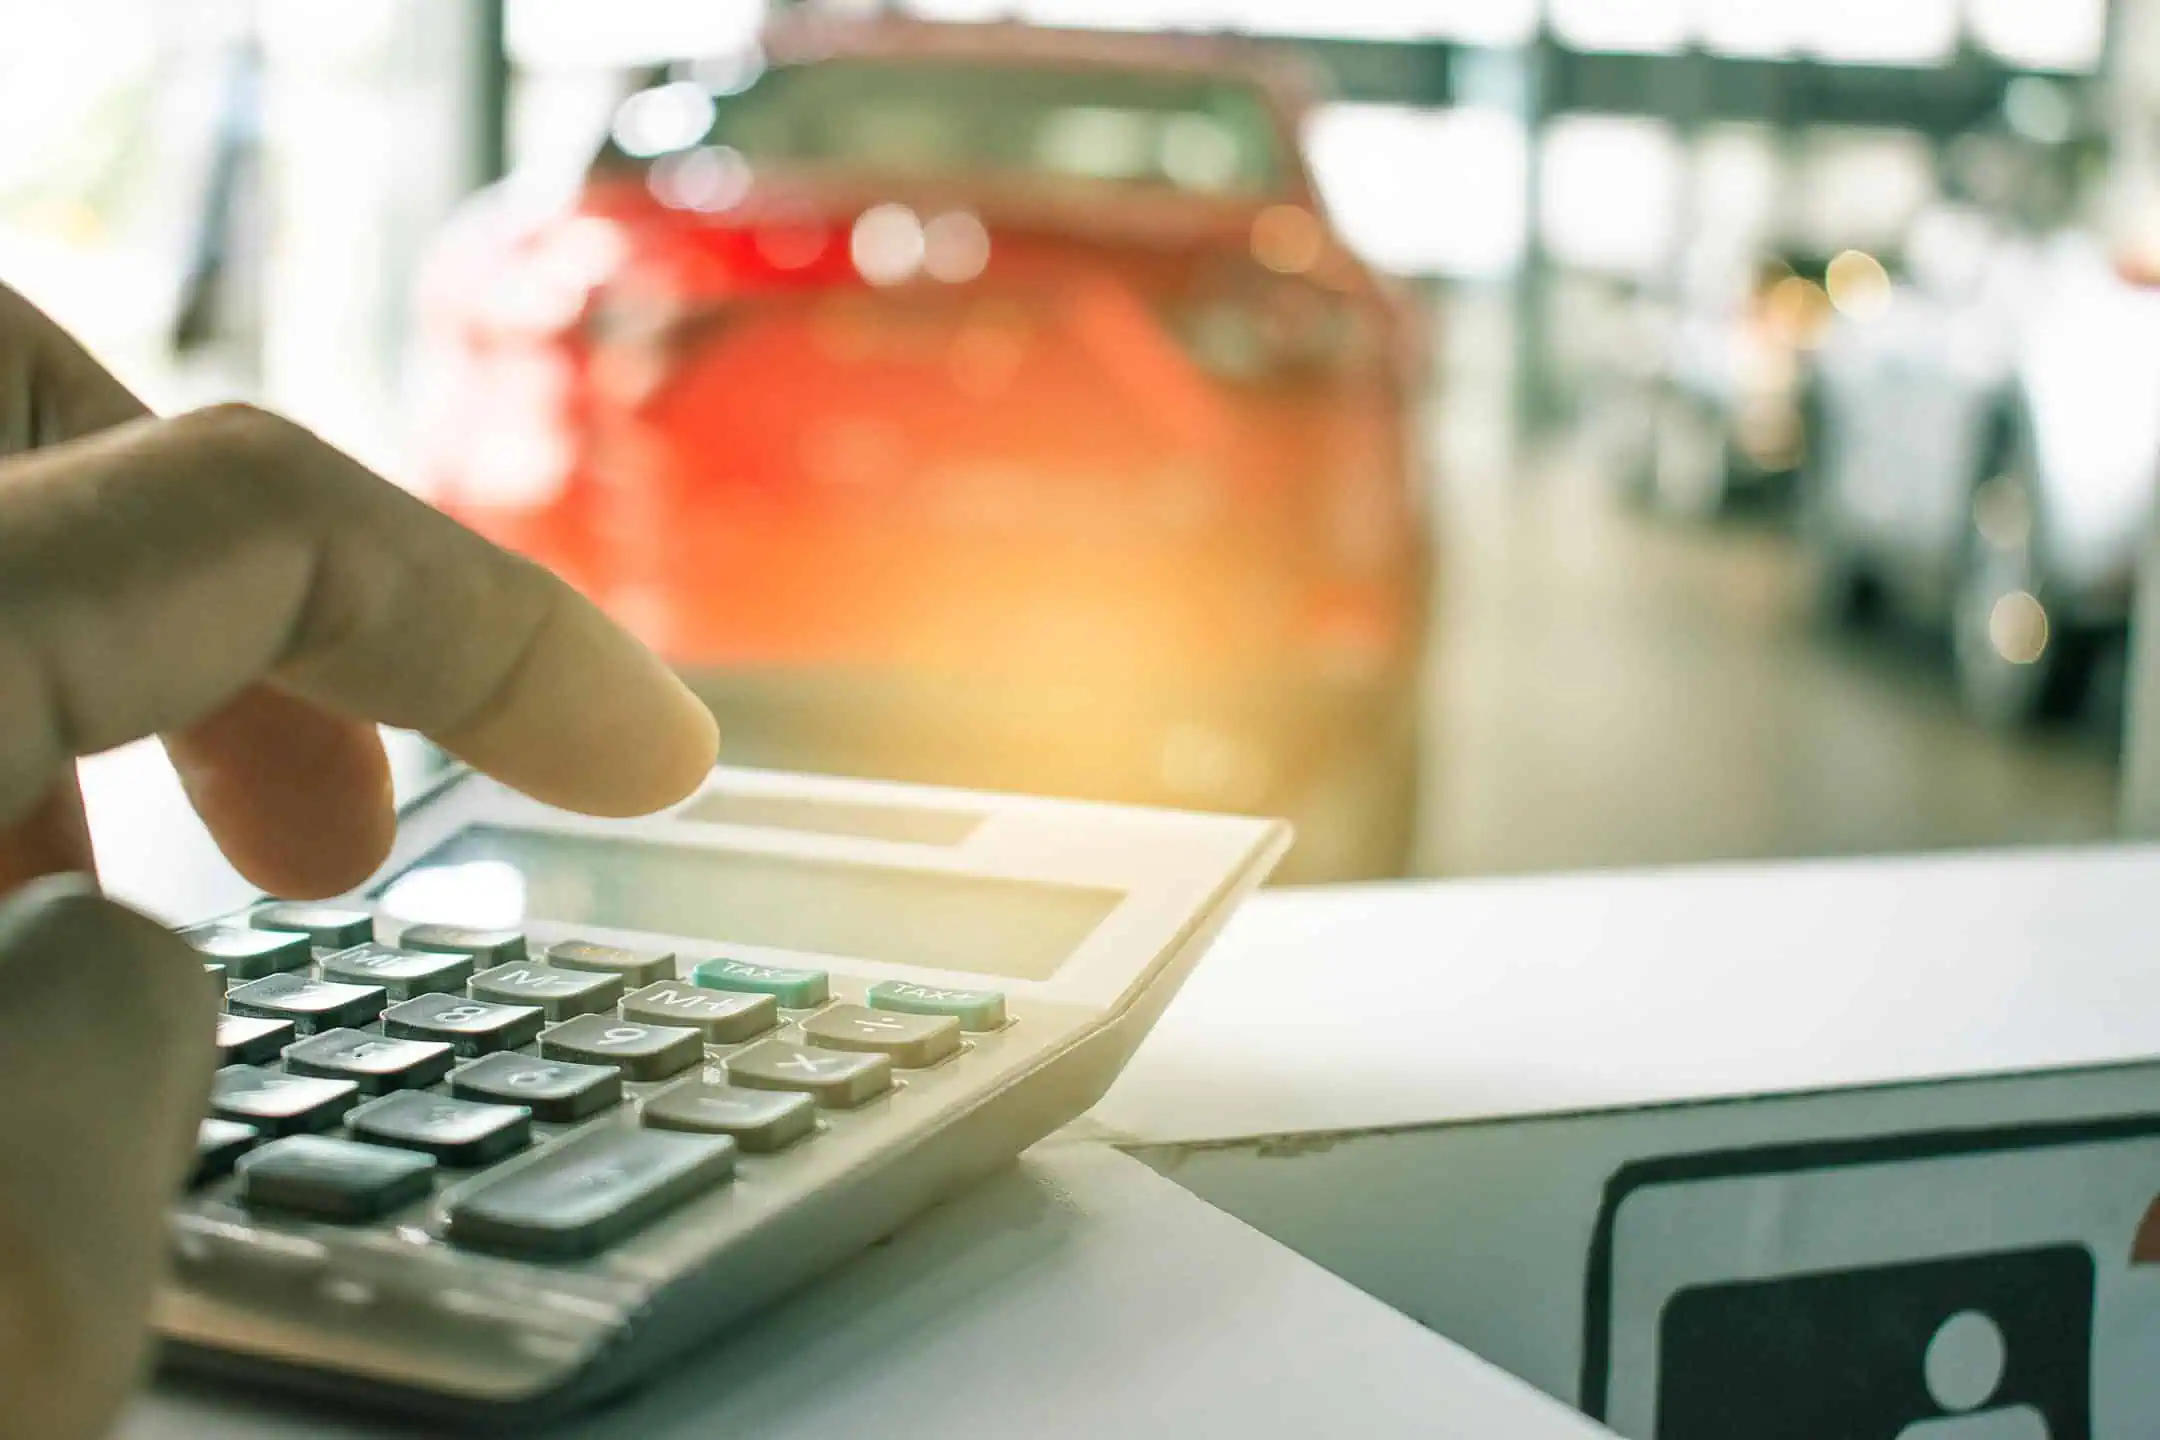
151,571
50,388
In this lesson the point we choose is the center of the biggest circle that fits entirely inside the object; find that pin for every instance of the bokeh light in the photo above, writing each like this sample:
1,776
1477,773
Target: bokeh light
666,117
1287,239
887,244
2018,628
955,247
1796,308
709,178
1859,286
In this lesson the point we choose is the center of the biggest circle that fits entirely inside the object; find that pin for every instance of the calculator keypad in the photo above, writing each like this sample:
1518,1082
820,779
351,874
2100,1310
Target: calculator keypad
723,1018
796,989
251,1039
484,947
976,1010
375,1063
552,1089
311,1005
761,1121
469,1027
358,1076
464,1133
277,1103
590,1191
836,1078
560,994
911,1040
402,974
641,1051
324,925
218,1143
334,1179
252,954
637,967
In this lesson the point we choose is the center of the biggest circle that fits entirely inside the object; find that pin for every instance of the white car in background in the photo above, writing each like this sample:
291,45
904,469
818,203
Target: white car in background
1983,446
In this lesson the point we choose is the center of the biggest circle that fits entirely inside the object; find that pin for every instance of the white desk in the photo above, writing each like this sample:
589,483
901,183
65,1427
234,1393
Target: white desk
1079,1295
1359,1007
1537,1114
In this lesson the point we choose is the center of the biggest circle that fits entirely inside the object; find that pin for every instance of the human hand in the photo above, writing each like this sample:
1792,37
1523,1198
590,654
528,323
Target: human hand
229,583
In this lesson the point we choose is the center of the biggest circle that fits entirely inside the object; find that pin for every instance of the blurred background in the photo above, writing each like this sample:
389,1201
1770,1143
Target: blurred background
1503,435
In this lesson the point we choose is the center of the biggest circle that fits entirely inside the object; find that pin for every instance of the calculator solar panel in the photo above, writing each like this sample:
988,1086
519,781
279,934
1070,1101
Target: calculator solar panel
552,1099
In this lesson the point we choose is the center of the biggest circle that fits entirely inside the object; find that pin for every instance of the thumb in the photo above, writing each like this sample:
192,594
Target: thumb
105,1061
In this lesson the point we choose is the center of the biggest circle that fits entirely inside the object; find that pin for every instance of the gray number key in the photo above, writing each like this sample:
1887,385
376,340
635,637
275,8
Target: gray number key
837,1078
279,1104
589,1191
311,1005
488,947
637,967
324,925
217,1144
251,954
455,1132
639,1050
561,994
551,1089
333,1179
375,1063
469,1027
401,973
913,1041
759,1120
722,1016
250,1039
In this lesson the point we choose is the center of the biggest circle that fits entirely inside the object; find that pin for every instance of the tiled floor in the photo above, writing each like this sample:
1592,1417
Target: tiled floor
1611,689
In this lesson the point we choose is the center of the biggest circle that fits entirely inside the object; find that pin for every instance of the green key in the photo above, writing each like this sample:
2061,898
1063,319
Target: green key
794,989
974,1009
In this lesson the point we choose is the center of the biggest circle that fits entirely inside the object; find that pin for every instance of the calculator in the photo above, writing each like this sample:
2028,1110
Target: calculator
552,1099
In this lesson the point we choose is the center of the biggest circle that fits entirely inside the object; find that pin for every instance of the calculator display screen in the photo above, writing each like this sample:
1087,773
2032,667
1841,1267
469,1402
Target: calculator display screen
490,875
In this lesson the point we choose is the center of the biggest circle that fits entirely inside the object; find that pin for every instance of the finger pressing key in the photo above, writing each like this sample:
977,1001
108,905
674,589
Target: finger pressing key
164,571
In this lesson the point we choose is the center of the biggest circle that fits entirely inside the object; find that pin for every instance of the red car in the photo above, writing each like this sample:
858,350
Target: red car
978,404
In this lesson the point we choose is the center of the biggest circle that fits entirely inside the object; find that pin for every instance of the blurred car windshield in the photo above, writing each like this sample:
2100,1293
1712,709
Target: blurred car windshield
1199,134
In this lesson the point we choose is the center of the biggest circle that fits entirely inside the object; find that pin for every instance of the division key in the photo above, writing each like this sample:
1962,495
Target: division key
589,1191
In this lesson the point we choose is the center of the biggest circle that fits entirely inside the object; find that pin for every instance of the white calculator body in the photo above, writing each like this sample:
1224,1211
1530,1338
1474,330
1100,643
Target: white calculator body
552,1099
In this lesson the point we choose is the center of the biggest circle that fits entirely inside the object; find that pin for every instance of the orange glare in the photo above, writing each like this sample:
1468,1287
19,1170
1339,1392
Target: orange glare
1795,309
1287,239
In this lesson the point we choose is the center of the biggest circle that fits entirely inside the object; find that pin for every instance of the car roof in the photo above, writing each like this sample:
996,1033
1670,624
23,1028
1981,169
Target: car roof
805,35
